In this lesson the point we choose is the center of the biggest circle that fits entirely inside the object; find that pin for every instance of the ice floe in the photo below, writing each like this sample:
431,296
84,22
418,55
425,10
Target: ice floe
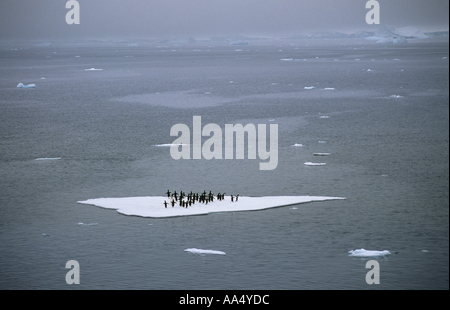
200,251
396,96
314,164
93,69
324,116
21,85
329,88
309,87
42,159
297,145
90,224
367,253
153,206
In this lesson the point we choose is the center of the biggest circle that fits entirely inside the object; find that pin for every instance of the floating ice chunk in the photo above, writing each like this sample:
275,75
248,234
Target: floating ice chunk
45,235
329,88
309,87
21,85
93,69
42,78
293,208
314,164
200,251
425,251
298,145
366,253
321,154
90,224
396,96
54,158
153,207
370,70
324,116
287,59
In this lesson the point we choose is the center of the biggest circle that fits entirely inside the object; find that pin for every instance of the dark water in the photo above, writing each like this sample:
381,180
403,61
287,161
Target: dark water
389,158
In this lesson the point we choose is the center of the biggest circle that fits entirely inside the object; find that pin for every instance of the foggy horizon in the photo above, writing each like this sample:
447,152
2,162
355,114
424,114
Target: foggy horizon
39,20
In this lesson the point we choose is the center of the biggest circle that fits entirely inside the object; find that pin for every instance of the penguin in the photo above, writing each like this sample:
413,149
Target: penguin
165,204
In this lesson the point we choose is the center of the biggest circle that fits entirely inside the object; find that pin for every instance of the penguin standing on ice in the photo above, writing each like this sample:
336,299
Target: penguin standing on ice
237,197
172,202
165,204
232,198
168,193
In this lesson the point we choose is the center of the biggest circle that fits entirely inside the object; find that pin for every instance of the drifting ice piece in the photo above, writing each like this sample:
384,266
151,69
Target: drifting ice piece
21,85
154,207
93,69
200,251
366,253
314,164
309,87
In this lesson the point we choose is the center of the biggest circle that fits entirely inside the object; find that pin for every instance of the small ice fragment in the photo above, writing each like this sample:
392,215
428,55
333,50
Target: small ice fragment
200,251
90,224
395,59
309,87
93,69
324,116
366,253
231,82
369,70
287,59
54,158
42,78
396,96
425,251
298,145
293,208
21,85
329,88
45,235
314,164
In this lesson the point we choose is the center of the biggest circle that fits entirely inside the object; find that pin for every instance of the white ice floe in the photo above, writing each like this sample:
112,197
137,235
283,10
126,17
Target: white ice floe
321,154
90,224
93,69
314,164
54,158
329,88
298,145
287,59
396,96
200,251
309,87
324,116
366,253
154,206
21,85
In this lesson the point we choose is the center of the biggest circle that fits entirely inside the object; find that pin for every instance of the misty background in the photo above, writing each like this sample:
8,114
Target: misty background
100,19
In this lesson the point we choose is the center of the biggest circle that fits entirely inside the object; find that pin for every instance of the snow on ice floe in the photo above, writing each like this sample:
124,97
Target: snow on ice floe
367,253
153,206
314,164
200,251
90,224
21,85
93,69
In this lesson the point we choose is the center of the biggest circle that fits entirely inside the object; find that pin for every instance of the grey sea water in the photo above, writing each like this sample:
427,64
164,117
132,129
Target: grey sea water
389,158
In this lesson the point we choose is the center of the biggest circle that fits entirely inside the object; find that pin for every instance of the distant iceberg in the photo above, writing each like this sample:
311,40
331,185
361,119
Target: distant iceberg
200,251
21,85
46,158
153,206
366,253
314,164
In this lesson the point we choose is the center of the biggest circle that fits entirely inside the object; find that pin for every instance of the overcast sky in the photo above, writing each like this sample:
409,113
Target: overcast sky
45,19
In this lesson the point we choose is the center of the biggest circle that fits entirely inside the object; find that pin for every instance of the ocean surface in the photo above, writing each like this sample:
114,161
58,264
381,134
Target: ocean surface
389,158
